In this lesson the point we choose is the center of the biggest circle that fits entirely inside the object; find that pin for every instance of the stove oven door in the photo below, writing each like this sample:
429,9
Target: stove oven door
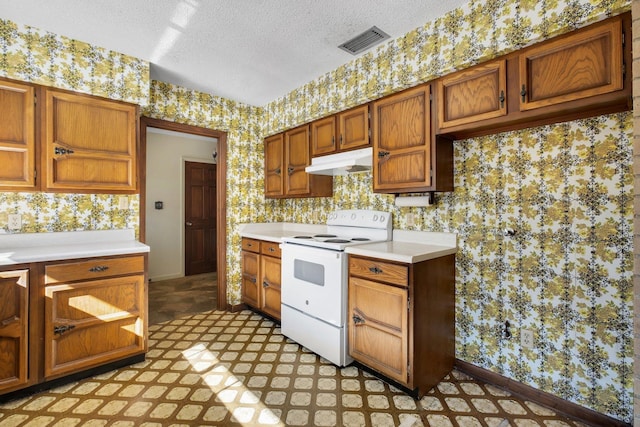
314,281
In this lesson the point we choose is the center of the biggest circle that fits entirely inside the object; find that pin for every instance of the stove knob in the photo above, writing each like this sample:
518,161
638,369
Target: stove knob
375,217
353,216
381,218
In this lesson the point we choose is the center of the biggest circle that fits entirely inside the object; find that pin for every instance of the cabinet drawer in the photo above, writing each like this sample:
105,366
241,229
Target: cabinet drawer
270,248
379,271
93,269
251,245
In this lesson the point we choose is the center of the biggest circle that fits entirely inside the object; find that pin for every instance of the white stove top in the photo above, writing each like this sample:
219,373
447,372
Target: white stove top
347,228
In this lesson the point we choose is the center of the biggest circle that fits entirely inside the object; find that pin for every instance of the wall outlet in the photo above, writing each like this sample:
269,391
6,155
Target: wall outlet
410,219
123,202
15,222
526,338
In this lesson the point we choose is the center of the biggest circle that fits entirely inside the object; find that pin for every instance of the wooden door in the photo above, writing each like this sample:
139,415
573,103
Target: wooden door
323,136
402,141
273,171
90,144
297,158
14,328
200,218
378,332
578,66
94,322
270,272
250,278
473,95
17,136
354,128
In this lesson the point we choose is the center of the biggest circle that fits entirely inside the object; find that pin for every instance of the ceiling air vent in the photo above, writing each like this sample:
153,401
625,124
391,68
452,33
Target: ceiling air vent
364,41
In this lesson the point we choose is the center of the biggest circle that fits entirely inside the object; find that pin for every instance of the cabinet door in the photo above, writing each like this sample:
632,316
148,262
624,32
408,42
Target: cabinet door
270,270
273,174
297,158
323,136
17,136
378,333
14,325
472,95
578,66
89,144
91,323
402,141
250,279
354,128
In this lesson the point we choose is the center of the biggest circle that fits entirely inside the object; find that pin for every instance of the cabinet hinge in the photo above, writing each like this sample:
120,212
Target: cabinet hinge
369,132
35,98
35,176
430,97
623,38
624,71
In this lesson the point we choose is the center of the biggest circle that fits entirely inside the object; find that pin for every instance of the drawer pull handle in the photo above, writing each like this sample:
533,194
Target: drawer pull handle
357,319
523,93
375,270
62,151
10,320
98,269
272,249
59,330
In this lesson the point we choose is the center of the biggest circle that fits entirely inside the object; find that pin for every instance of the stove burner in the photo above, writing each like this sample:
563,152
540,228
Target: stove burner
325,235
360,239
336,241
302,237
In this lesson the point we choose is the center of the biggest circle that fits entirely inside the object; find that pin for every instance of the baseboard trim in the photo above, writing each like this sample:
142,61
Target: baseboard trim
234,308
570,409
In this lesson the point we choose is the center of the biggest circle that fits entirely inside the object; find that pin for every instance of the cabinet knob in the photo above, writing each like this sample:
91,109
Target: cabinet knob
382,154
375,270
523,93
272,249
333,141
290,170
253,279
59,330
265,284
98,268
341,141
501,99
278,171
357,319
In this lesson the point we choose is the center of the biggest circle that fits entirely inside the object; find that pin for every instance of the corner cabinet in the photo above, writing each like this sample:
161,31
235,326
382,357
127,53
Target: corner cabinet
402,319
14,329
407,157
261,276
17,136
286,157
89,144
95,312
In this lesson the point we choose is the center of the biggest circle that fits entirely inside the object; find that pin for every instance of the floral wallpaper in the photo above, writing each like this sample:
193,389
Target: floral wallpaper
565,189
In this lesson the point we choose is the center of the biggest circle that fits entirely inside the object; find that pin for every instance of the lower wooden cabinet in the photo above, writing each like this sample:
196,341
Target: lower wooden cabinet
401,319
65,317
92,320
14,328
261,276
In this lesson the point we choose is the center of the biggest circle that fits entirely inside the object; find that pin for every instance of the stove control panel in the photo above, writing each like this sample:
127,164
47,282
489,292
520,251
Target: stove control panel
360,218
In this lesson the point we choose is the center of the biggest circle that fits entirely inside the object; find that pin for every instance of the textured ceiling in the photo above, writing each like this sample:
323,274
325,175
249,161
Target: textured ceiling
252,51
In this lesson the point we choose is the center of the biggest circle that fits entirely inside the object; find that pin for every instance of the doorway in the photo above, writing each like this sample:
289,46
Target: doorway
220,193
199,218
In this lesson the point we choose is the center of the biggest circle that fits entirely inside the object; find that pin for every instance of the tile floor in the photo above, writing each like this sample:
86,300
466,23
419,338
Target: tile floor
236,369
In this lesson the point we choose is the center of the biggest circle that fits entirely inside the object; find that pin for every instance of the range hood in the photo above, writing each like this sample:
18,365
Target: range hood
342,163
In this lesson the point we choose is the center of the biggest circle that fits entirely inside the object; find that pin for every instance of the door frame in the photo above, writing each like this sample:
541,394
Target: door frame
221,191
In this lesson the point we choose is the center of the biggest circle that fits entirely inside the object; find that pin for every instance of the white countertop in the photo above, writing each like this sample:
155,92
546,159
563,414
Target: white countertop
406,246
38,247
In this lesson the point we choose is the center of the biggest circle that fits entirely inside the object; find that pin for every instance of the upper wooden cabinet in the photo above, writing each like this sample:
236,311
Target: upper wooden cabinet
573,76
89,144
286,155
475,94
402,141
17,136
343,131
14,328
587,63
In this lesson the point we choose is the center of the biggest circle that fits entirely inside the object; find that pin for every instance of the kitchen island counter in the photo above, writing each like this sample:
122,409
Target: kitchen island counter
409,246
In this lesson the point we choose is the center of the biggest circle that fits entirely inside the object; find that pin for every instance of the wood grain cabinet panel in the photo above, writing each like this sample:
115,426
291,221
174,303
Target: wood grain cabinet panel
250,278
297,157
17,136
587,63
473,95
14,324
90,144
94,313
402,141
323,136
273,160
261,276
270,273
343,131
